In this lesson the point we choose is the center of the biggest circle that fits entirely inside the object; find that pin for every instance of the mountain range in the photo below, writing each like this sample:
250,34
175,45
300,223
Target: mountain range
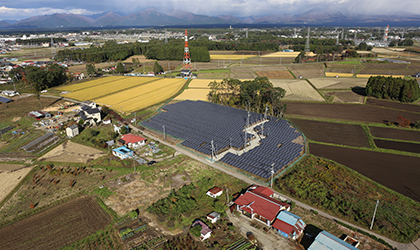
152,17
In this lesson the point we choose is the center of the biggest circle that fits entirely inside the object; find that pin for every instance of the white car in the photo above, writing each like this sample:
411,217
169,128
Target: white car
44,91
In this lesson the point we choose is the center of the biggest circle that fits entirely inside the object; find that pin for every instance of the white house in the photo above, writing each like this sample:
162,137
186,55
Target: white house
132,141
215,192
205,230
90,111
123,153
72,130
213,217
10,93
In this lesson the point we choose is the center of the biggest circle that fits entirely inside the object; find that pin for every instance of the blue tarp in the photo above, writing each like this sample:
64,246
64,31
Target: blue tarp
5,100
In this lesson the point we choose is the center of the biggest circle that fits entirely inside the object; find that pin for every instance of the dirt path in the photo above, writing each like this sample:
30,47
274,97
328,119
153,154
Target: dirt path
401,246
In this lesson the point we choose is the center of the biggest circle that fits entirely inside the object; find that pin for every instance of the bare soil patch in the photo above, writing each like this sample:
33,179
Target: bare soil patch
275,74
242,73
343,67
269,68
338,83
329,132
10,176
351,112
72,152
397,145
297,90
398,134
345,96
393,105
56,227
307,70
82,67
383,168
141,58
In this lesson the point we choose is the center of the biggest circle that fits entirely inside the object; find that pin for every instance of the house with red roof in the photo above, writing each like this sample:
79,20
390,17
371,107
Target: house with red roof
256,204
215,192
132,141
289,225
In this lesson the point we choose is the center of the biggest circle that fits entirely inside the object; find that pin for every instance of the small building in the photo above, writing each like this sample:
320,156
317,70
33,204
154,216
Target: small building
72,130
90,112
10,92
256,205
213,217
418,74
185,73
327,241
132,141
5,100
289,225
215,192
123,152
205,230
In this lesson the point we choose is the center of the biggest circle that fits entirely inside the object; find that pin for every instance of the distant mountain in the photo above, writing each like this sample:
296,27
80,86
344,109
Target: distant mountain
195,19
152,17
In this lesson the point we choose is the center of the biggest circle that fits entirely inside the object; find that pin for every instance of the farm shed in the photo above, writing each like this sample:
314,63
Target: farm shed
255,205
39,114
5,100
185,73
39,142
215,192
123,153
327,241
72,130
205,230
289,225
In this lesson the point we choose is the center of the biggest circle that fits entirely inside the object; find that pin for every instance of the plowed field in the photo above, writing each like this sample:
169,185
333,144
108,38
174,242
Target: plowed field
397,145
55,227
393,105
397,172
398,134
307,70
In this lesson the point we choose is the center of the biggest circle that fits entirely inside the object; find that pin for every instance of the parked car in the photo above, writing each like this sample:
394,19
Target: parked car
151,163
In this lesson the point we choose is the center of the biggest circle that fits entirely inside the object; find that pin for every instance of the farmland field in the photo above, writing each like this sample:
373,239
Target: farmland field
338,83
307,70
345,96
112,85
397,145
383,168
345,67
10,176
352,112
230,57
89,84
329,132
298,90
200,83
369,75
275,74
242,73
335,74
282,54
55,227
82,67
396,134
394,105
193,94
72,152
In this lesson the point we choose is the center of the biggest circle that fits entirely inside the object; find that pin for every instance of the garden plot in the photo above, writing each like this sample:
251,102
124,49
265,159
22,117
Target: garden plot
242,73
307,70
338,83
298,90
10,176
72,152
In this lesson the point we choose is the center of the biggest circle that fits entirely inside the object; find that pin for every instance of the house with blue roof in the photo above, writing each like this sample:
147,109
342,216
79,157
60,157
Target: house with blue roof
123,152
327,241
289,225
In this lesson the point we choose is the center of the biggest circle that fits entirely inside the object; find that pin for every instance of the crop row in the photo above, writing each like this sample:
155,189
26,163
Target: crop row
88,84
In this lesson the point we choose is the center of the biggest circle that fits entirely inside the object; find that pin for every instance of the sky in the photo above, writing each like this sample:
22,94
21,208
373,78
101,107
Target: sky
22,9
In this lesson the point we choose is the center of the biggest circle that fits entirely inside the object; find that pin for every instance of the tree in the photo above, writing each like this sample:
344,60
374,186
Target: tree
120,68
157,68
196,230
90,68
81,122
124,130
133,214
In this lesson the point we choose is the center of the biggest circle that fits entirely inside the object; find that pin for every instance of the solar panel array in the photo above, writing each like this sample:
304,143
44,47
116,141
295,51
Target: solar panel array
198,123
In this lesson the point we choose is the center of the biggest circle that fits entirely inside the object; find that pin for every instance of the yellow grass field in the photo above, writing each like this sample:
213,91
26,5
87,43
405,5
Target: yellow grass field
334,74
142,96
10,176
118,84
299,90
230,57
282,54
337,83
200,83
193,95
367,75
88,84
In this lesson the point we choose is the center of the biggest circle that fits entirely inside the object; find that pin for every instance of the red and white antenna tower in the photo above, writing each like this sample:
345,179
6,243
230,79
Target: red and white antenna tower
386,34
186,62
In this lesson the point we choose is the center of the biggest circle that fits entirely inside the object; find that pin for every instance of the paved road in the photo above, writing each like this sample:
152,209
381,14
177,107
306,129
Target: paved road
412,246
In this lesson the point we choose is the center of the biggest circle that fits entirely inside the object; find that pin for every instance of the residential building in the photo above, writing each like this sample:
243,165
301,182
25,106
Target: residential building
89,111
9,93
132,141
327,241
123,152
215,192
72,130
289,225
256,205
205,230
213,217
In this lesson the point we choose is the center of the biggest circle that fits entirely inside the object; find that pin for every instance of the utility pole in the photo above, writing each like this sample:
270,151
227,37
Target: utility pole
272,173
374,213
164,134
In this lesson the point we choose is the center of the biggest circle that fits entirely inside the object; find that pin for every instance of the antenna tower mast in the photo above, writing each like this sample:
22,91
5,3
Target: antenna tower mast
307,49
187,59
53,51
386,34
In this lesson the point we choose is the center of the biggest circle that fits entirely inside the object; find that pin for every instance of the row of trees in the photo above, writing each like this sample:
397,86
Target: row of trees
172,52
39,41
253,95
393,88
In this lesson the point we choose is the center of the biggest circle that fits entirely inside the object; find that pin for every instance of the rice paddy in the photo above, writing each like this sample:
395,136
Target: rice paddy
282,54
335,74
368,75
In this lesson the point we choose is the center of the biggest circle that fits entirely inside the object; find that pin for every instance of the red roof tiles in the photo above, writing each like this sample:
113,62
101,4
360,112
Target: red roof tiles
130,138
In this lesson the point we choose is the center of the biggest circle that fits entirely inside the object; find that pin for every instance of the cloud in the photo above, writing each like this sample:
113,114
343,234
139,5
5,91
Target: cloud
23,13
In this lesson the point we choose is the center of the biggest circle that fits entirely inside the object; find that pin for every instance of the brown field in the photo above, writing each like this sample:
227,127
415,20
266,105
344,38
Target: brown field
10,176
383,168
214,64
393,105
275,74
72,152
141,58
343,67
391,68
55,227
329,132
397,145
338,83
307,70
393,133
242,73
82,67
350,112
345,96
269,68
297,90
265,61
